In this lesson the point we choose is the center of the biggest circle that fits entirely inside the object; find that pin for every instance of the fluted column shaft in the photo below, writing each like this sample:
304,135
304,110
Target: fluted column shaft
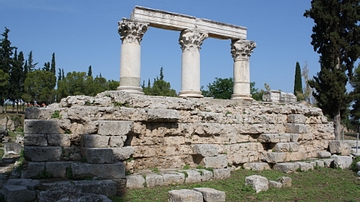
131,33
190,42
241,51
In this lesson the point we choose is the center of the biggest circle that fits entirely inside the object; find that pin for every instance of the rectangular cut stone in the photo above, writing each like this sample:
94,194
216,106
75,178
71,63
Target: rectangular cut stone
296,128
274,138
33,153
34,169
206,175
59,140
296,118
205,150
286,167
34,126
173,178
135,181
286,147
219,161
154,180
258,166
117,141
115,128
58,169
99,155
35,140
174,21
211,195
104,187
100,171
95,141
123,153
163,115
183,195
221,173
273,157
193,176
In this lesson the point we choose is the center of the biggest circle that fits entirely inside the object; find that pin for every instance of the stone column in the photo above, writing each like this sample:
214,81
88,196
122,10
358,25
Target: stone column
190,42
241,51
131,33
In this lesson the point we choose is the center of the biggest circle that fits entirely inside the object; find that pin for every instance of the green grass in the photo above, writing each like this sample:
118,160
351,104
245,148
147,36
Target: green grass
322,184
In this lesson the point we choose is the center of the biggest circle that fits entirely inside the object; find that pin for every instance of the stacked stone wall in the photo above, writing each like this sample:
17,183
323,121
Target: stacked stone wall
102,135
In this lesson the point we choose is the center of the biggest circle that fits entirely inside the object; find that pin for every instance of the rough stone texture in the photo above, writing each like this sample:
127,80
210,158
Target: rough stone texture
273,157
102,171
327,162
135,181
296,128
206,175
28,183
304,166
58,169
274,138
285,181
339,147
95,141
211,195
259,166
275,184
342,162
257,182
286,167
32,126
35,140
173,178
219,161
34,169
116,128
324,154
286,147
33,153
184,195
193,176
205,150
16,193
162,115
123,153
221,173
59,140
99,155
154,180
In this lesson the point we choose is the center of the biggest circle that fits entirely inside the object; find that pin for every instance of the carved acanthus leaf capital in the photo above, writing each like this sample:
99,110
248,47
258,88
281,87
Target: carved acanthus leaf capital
191,39
242,49
131,31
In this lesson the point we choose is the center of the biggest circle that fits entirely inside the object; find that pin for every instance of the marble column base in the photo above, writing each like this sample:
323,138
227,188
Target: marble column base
131,89
191,94
242,97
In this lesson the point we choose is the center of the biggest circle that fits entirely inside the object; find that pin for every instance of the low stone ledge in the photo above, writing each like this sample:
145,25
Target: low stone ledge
163,115
211,195
99,171
58,169
339,147
219,161
95,141
193,176
35,140
259,166
34,169
184,195
305,166
41,154
206,175
135,181
222,173
273,157
35,126
154,180
286,167
173,178
115,128
99,155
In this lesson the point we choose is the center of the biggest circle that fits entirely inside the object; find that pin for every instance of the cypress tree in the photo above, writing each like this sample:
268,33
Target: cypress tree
336,36
298,82
53,65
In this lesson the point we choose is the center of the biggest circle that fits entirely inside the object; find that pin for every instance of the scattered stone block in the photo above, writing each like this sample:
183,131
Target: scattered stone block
193,176
327,162
35,140
286,167
285,181
205,150
219,161
324,154
59,140
16,193
259,166
274,138
35,126
115,128
211,195
173,178
135,181
221,173
275,184
34,153
342,162
304,166
123,153
185,195
320,164
100,171
257,182
339,147
95,141
99,155
154,180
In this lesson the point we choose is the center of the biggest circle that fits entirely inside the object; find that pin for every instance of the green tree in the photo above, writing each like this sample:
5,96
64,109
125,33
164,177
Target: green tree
53,64
255,93
336,36
6,52
220,88
89,71
112,84
160,87
16,83
30,66
38,87
74,83
298,82
4,82
355,111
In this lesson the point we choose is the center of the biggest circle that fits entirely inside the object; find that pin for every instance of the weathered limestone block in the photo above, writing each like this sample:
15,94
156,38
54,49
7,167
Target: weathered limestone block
193,176
115,128
296,128
39,112
163,115
307,136
275,184
102,171
34,169
71,153
304,166
95,141
324,154
59,140
273,157
221,173
259,166
205,150
320,164
286,167
117,141
328,162
99,155
339,147
34,126
123,153
211,195
184,195
206,175
34,153
219,161
274,138
243,152
257,182
342,162
286,147
11,148
35,140
16,193
135,181
296,118
174,140
173,178
295,156
58,169
154,180
285,181
294,137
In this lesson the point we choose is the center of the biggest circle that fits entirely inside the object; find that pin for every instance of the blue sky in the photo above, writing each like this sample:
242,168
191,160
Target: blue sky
84,33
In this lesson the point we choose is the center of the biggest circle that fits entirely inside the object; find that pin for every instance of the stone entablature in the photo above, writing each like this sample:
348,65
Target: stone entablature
115,131
174,21
193,31
279,97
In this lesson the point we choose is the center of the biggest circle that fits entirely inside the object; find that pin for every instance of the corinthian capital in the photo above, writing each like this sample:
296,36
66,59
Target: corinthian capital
131,31
242,49
191,39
